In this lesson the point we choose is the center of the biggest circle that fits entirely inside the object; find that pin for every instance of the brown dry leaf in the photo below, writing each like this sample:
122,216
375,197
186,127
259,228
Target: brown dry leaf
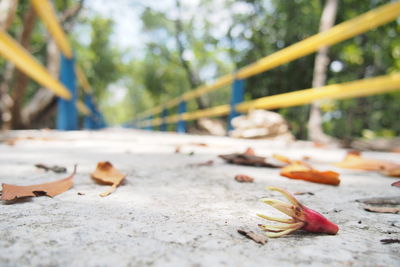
382,209
243,178
105,173
396,184
300,170
261,239
248,158
11,192
354,160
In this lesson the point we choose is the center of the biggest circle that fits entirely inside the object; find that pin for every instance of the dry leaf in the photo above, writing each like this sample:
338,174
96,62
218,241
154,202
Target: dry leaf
390,241
282,158
303,193
380,200
261,239
354,160
396,184
243,178
55,168
105,173
382,209
300,170
51,189
250,159
202,164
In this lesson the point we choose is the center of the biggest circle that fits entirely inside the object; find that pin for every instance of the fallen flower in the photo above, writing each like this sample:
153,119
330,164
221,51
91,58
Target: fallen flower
354,160
243,178
302,218
382,209
301,171
105,173
11,192
253,236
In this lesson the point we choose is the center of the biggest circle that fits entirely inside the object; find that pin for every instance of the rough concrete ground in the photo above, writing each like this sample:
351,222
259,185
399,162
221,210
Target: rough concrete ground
170,214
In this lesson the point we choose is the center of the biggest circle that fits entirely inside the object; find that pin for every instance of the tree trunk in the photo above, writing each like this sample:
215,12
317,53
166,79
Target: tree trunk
21,80
43,100
42,105
193,78
315,131
8,9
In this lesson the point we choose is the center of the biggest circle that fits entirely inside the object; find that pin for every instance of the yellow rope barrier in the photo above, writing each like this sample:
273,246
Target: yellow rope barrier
82,80
82,108
360,88
46,12
11,50
336,34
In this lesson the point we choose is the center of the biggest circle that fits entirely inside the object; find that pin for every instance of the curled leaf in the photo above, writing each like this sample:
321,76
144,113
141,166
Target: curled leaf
11,192
105,173
299,170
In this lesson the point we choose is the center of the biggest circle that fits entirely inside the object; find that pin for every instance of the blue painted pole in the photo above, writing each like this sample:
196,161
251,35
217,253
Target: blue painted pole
237,96
163,126
150,127
95,120
181,126
67,115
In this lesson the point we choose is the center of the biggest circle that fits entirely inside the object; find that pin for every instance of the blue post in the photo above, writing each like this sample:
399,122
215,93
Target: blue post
163,126
150,127
237,96
95,120
67,115
181,126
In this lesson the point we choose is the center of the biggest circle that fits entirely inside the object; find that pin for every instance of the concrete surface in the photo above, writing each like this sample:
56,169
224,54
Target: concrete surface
170,214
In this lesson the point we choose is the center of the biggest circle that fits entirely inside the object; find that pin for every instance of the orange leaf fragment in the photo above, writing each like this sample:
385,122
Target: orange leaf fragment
105,173
11,192
299,170
354,160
